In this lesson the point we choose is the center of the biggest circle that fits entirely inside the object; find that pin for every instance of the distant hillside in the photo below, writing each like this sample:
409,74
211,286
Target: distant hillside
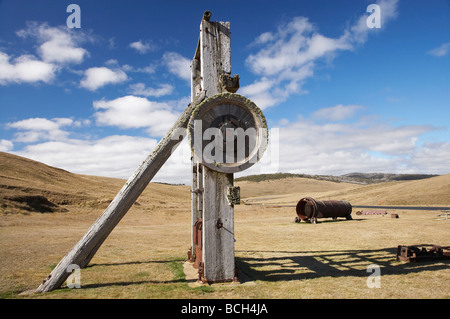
369,178
278,189
287,190
31,186
356,178
422,192
27,186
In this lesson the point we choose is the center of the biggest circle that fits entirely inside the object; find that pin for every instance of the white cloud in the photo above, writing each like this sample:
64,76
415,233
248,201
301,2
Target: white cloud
311,147
286,59
336,113
431,158
114,156
289,55
37,129
263,38
57,44
300,146
57,47
35,124
97,77
177,169
142,47
60,50
140,89
359,32
389,10
441,51
293,46
179,104
259,92
6,145
150,69
353,137
135,112
25,68
178,65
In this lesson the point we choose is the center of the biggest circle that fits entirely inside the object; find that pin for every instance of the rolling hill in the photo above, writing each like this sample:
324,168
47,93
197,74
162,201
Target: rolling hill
356,178
29,186
423,192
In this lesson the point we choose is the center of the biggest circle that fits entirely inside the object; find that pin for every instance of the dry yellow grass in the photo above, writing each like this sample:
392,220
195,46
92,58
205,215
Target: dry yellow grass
143,256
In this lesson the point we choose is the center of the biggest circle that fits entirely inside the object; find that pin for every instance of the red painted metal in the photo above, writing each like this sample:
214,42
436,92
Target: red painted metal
372,212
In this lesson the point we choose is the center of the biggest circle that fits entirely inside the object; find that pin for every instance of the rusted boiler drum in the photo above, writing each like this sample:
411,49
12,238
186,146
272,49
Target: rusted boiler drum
309,209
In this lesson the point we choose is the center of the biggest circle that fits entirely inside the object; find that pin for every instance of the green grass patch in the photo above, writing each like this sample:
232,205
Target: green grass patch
176,266
177,269
8,295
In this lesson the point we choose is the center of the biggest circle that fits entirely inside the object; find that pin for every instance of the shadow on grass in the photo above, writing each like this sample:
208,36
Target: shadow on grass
272,266
331,221
293,265
175,265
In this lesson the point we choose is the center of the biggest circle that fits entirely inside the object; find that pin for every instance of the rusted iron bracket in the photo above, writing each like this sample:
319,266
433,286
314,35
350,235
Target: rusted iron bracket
201,273
414,253
230,84
198,191
236,275
190,255
197,234
219,224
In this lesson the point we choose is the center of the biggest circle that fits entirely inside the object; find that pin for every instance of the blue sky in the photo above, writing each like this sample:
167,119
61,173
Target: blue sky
338,96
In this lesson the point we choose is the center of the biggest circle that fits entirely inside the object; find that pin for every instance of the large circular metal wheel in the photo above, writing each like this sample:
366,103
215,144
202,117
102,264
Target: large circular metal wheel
227,133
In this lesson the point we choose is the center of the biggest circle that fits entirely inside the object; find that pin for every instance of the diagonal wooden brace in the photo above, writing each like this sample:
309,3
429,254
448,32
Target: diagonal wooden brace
85,249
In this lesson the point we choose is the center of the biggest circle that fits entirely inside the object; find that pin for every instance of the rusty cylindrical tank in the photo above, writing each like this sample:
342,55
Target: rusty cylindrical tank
309,209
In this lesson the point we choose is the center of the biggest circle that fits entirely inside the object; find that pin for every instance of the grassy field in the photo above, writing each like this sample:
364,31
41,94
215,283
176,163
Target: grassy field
144,255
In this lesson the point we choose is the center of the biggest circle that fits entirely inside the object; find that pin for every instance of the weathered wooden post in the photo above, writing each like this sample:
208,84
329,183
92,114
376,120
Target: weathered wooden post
228,115
228,133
